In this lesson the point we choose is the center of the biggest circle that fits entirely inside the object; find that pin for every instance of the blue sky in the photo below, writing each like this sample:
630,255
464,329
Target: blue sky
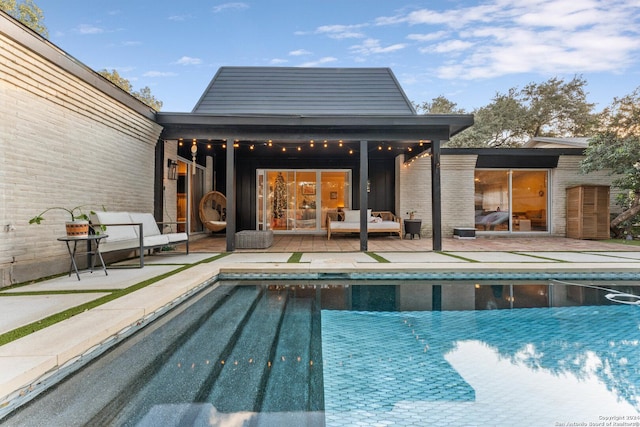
465,50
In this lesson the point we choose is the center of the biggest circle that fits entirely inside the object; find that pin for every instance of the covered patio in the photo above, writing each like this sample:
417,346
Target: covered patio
360,107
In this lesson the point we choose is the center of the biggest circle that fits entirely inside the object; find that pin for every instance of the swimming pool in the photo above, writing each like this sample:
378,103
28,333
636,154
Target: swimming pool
330,353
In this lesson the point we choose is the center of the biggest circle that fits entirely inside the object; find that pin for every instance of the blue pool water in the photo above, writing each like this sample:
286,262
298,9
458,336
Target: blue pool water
387,354
533,367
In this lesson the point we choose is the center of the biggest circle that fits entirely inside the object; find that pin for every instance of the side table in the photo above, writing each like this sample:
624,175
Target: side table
412,227
96,252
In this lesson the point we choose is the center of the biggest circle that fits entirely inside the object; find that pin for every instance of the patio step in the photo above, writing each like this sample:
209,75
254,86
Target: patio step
178,377
240,385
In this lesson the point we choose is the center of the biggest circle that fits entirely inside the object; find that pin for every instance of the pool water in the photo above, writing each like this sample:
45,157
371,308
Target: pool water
534,367
343,354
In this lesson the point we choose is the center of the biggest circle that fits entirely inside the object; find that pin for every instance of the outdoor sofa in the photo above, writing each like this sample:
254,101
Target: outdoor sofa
134,231
377,222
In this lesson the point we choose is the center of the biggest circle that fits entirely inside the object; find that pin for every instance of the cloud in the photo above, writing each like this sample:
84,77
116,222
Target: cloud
372,46
187,60
131,43
299,52
159,74
427,37
277,61
341,31
500,37
448,46
321,61
230,6
89,29
178,18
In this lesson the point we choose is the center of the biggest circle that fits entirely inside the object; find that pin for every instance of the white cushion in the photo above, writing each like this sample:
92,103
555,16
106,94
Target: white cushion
352,216
156,240
177,237
118,233
343,225
149,225
384,225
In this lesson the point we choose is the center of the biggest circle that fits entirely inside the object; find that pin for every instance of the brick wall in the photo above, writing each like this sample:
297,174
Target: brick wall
64,143
456,187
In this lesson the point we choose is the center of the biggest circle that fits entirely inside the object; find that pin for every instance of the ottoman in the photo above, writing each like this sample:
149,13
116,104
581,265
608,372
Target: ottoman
254,239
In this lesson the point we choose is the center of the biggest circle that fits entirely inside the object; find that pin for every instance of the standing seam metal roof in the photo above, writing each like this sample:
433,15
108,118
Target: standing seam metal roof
304,91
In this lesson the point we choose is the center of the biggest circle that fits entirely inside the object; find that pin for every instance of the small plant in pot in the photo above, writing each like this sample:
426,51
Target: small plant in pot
411,214
77,227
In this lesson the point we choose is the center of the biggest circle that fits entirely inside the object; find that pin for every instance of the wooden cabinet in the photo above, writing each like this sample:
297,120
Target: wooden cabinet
588,212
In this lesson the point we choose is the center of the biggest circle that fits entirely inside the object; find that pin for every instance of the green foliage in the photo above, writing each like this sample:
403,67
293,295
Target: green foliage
144,94
75,213
616,149
554,108
439,105
27,12
500,124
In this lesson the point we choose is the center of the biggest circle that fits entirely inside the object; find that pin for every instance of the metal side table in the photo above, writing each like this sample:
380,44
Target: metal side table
95,253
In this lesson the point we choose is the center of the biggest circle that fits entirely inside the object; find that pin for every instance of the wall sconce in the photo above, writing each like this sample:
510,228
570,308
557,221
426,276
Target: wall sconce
172,169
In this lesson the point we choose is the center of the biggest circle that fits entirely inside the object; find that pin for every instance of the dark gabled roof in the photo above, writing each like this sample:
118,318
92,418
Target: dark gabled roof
304,91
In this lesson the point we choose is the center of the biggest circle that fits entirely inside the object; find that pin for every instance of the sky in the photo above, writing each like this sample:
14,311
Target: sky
464,50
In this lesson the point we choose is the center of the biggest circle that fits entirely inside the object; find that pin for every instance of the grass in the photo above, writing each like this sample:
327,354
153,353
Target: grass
295,258
377,257
624,242
25,330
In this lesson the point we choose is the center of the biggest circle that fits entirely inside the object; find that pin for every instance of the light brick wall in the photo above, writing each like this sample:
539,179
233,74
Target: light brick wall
63,143
456,186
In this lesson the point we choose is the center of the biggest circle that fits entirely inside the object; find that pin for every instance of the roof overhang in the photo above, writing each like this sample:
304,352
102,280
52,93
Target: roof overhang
291,128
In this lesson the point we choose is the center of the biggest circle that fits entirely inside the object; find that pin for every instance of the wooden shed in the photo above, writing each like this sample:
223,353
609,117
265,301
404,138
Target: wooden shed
588,212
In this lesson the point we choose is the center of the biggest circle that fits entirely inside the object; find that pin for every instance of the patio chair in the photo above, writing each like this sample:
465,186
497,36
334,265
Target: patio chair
213,211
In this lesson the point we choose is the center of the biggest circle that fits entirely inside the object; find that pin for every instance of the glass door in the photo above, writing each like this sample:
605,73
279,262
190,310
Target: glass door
299,200
511,200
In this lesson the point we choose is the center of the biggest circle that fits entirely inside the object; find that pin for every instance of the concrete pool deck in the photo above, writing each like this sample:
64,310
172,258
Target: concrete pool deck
25,362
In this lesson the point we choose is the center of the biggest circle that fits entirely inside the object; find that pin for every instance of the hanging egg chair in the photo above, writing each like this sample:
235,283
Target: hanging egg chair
213,211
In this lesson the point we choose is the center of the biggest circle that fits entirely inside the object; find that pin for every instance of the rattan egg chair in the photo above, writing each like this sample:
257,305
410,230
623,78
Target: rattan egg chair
213,211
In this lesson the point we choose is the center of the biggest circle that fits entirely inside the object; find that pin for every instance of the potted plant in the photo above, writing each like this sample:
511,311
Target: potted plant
77,227
411,214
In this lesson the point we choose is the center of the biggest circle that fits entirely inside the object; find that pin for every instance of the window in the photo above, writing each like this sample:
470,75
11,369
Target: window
511,200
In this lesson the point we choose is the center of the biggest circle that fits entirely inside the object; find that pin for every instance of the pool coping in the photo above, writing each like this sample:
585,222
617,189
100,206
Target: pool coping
28,364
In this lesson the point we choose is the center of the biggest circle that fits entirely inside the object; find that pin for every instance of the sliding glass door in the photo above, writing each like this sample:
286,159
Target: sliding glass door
511,200
299,200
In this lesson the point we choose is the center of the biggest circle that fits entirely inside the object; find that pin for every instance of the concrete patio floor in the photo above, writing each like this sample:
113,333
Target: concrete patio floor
26,361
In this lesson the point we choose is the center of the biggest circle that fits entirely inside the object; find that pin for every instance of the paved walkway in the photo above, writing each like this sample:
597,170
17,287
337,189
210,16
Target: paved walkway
24,362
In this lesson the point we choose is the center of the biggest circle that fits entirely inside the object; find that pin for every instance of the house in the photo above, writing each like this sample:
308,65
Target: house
287,146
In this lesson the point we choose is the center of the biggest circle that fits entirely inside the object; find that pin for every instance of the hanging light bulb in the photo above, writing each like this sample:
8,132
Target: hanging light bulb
194,152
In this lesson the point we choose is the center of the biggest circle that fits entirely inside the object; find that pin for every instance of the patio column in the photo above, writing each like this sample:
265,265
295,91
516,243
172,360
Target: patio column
231,197
364,196
436,199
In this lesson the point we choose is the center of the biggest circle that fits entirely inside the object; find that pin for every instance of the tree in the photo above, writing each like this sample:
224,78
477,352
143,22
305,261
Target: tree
439,105
556,108
553,108
27,12
616,148
144,94
499,124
